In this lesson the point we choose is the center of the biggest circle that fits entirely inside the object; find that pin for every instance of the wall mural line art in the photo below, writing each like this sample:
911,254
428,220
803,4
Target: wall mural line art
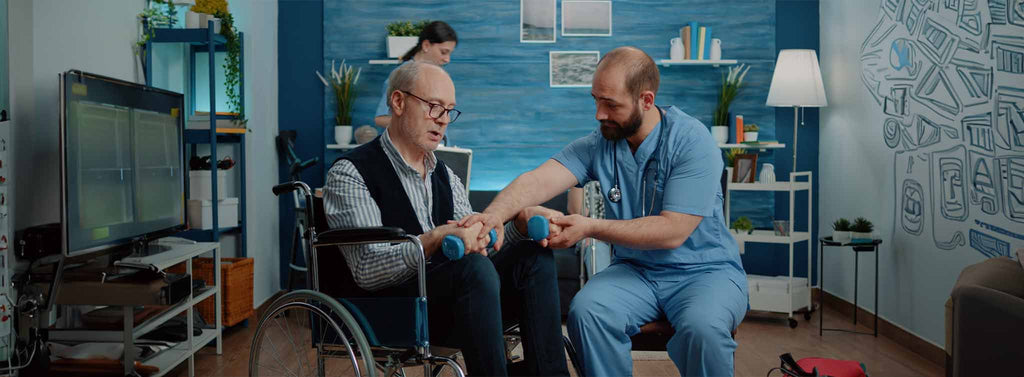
948,75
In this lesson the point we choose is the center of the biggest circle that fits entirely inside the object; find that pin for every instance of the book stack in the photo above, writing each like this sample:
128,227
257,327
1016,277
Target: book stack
696,41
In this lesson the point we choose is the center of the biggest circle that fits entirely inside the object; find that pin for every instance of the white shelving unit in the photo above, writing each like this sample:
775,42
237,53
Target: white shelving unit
713,63
384,61
796,292
762,147
166,360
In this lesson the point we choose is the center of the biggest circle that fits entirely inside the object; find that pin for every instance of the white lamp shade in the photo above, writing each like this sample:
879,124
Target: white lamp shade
797,80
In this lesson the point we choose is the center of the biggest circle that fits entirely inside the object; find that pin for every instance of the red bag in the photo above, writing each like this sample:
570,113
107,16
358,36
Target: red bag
832,367
819,367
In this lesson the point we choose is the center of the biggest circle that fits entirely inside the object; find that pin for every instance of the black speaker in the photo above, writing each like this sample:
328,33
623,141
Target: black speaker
38,241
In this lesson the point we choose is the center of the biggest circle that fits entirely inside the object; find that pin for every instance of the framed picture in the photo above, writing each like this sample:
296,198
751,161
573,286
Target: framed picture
744,168
537,21
586,18
572,69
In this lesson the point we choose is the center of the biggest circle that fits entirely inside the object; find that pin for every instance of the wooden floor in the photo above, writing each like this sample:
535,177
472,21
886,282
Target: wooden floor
761,340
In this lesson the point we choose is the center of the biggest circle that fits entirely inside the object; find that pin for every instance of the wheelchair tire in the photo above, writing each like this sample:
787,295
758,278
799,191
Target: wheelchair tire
284,340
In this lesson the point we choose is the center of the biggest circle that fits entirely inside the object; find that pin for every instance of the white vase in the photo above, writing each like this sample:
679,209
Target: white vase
204,19
398,46
750,136
767,173
720,133
191,20
343,135
716,49
841,236
216,25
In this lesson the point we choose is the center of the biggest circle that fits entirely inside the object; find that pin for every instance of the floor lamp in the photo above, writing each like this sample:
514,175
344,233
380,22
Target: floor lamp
797,83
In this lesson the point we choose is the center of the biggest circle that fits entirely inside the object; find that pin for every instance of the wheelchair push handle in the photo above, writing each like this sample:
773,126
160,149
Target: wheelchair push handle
287,187
455,249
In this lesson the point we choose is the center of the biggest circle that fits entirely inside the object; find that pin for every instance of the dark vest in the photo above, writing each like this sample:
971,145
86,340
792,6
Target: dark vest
396,210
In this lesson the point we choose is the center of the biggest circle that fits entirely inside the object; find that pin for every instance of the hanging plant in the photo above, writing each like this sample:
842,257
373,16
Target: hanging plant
150,19
232,65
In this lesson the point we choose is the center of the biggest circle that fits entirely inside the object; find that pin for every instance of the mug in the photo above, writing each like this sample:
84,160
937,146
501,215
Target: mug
676,50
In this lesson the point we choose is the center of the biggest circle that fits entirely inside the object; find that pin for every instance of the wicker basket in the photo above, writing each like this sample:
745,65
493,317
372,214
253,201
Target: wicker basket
237,278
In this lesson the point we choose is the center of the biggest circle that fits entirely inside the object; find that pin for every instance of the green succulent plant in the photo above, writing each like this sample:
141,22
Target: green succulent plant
862,225
406,28
730,156
750,127
841,225
743,224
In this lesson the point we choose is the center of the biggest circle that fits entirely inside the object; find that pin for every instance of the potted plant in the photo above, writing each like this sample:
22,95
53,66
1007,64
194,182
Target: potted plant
742,225
730,159
403,36
731,85
343,81
861,229
841,231
750,132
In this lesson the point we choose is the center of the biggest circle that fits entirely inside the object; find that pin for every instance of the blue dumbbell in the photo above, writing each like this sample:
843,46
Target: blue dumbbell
537,228
454,248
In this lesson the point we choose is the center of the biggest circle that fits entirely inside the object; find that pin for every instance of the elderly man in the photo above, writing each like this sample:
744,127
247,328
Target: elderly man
395,180
659,169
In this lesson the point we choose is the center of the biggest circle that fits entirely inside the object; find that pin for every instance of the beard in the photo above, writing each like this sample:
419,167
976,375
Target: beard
612,130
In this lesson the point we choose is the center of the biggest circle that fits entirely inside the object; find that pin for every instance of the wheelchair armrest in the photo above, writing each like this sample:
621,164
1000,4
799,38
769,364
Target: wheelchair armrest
355,236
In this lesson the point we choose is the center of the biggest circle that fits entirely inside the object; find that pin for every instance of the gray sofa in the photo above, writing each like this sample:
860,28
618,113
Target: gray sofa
985,320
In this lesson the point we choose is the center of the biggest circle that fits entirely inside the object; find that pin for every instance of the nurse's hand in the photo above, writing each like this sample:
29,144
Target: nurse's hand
529,212
489,221
574,229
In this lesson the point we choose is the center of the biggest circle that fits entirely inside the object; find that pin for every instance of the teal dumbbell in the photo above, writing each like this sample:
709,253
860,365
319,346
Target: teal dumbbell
455,249
537,228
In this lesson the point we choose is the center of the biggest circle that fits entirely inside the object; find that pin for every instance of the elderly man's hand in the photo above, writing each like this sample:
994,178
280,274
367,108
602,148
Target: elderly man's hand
489,221
574,229
524,216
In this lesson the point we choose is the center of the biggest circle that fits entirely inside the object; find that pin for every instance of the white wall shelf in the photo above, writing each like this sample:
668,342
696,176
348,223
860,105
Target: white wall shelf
384,61
713,63
774,186
799,296
762,147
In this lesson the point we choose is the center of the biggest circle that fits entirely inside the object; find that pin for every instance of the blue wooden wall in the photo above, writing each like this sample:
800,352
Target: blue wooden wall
511,118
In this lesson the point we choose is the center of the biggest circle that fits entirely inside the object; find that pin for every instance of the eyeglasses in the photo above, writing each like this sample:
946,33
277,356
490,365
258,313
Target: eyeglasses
437,110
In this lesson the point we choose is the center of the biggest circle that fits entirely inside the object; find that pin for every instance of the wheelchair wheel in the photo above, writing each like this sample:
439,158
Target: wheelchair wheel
307,333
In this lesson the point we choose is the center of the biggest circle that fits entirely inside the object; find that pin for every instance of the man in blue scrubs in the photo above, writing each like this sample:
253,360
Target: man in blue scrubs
674,258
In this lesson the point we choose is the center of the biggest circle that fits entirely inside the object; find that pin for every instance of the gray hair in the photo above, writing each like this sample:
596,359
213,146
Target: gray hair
403,78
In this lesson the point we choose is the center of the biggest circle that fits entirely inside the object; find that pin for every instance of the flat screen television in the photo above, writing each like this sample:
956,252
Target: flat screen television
122,163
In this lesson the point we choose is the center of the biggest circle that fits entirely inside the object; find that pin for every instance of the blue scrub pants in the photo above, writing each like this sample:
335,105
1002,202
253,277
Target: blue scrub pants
703,304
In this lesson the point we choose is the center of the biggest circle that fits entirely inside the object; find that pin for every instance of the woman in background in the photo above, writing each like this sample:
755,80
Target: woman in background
435,46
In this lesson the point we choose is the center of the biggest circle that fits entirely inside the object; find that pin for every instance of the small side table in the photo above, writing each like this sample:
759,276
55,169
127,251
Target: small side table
859,247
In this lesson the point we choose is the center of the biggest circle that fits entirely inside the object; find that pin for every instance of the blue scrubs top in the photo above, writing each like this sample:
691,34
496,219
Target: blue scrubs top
683,175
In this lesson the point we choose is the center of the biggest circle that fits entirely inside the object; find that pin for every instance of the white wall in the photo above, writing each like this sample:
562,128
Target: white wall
52,36
927,233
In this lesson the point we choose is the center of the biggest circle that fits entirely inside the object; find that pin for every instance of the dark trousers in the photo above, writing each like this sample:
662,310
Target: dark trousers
471,300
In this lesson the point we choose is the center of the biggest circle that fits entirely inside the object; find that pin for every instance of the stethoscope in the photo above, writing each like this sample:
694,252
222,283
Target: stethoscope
615,193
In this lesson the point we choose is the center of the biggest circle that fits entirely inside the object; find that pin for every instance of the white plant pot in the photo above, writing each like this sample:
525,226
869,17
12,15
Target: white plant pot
191,20
204,19
398,46
216,25
862,236
343,135
750,136
840,236
720,133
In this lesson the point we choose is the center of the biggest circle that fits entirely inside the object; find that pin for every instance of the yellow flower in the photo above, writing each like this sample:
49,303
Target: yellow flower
210,6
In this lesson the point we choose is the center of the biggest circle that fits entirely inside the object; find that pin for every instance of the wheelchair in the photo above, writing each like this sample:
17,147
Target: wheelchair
308,332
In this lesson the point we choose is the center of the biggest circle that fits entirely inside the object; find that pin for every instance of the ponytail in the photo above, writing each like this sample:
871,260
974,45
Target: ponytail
435,32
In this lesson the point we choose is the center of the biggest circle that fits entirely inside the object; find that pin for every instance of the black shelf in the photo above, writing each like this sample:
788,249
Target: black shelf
201,235
203,137
198,37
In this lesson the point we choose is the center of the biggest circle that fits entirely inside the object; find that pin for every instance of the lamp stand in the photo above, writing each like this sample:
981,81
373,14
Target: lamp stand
796,116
